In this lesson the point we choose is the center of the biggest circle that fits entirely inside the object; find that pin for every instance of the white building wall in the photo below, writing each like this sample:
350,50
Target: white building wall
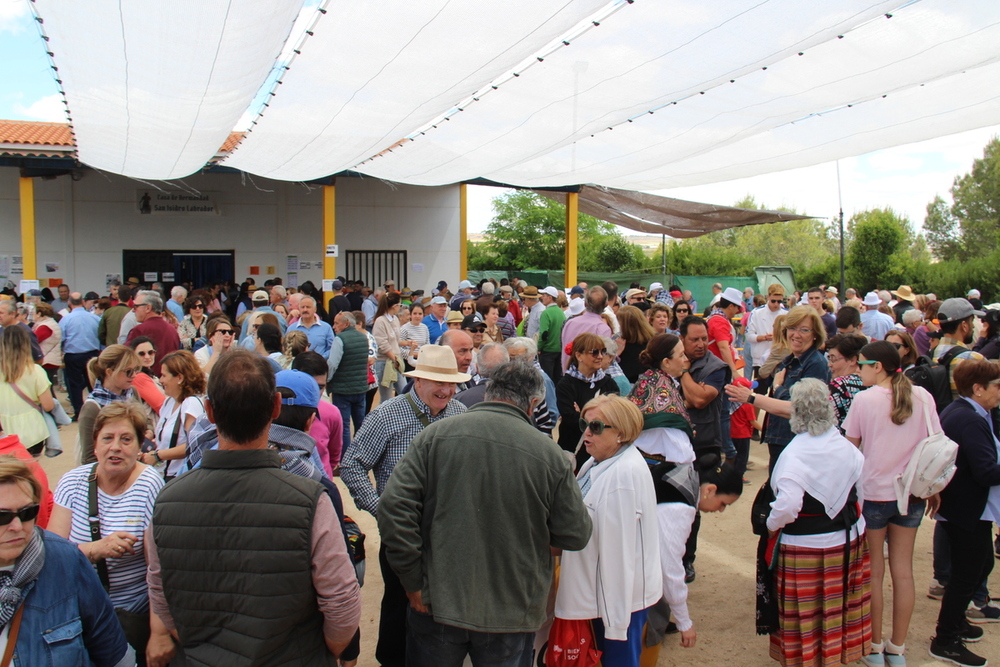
84,225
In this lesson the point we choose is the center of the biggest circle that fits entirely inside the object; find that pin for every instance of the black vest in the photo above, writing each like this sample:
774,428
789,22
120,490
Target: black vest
235,544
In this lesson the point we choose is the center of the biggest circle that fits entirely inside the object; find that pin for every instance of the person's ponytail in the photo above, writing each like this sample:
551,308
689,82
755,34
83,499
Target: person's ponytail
902,398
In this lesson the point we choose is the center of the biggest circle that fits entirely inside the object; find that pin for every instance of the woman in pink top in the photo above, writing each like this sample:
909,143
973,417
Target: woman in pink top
887,421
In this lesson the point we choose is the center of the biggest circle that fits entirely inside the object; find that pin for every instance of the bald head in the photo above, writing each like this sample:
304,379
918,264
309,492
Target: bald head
461,344
75,299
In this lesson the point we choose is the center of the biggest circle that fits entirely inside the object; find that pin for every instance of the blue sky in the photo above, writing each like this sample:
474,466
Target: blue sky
905,178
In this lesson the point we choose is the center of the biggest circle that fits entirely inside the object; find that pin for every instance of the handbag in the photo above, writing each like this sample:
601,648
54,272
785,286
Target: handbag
572,644
53,444
931,467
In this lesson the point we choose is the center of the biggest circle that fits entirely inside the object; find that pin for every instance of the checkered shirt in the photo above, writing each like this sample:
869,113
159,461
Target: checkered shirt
380,443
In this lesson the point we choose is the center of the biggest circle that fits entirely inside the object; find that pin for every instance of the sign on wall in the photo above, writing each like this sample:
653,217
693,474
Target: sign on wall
157,202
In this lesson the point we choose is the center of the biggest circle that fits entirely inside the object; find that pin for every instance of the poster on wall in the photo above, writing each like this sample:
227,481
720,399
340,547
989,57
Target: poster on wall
4,266
157,202
110,278
293,263
16,265
168,277
150,276
51,267
26,286
293,279
328,285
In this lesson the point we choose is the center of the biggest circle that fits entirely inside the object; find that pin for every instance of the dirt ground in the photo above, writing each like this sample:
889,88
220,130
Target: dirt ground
721,598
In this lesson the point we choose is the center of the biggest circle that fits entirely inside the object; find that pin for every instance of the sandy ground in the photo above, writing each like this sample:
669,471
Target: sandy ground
721,599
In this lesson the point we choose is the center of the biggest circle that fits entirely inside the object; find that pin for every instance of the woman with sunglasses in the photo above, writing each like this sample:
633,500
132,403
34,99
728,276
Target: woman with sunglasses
192,327
682,310
221,338
887,421
145,383
615,579
52,590
125,492
583,380
112,374
842,356
183,383
467,307
903,342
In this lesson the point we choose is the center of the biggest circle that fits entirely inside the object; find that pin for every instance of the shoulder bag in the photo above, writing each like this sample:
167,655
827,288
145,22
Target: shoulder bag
53,444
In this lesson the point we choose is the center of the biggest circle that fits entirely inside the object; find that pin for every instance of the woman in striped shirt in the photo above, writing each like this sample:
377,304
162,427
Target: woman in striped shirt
126,490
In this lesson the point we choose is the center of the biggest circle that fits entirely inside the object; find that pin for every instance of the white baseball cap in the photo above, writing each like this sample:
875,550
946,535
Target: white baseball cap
551,291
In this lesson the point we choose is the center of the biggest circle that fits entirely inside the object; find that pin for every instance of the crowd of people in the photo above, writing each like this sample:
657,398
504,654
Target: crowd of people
586,429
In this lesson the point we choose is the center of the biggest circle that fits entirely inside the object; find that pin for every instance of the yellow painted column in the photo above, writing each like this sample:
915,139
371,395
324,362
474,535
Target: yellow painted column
572,208
463,228
329,230
28,229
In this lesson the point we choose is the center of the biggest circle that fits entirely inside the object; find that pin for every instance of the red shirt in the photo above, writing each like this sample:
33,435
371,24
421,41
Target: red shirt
739,422
163,335
11,446
719,328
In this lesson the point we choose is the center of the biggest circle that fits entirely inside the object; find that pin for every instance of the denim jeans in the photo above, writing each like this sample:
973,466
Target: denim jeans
433,644
76,377
350,405
385,393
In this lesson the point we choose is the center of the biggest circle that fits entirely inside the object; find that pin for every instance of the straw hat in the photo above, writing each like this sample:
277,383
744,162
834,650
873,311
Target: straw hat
437,362
904,292
454,316
530,292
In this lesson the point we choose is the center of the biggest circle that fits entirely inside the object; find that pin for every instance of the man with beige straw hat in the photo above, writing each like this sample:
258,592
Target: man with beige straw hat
904,301
379,444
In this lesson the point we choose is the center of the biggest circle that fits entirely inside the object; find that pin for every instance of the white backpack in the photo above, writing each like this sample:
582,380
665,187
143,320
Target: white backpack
931,467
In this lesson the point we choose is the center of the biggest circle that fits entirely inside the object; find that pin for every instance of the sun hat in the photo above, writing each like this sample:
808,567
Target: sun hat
507,289
406,292
453,317
872,300
576,307
303,386
437,363
634,292
831,288
904,292
530,292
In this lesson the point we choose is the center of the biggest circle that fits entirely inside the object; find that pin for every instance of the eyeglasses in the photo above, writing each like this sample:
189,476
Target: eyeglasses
197,305
139,305
25,514
596,353
225,332
801,331
833,359
596,426
147,354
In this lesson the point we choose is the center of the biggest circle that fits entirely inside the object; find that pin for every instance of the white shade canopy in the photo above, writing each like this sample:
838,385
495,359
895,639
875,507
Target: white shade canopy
637,95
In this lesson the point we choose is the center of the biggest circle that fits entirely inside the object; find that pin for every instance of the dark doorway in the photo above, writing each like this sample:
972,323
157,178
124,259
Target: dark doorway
195,266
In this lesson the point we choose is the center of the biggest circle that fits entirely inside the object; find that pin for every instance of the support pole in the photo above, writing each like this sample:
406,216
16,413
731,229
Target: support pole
572,209
329,229
663,252
463,229
840,200
29,259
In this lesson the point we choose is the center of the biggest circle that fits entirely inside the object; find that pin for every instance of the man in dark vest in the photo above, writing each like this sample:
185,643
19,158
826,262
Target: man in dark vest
703,387
347,378
259,574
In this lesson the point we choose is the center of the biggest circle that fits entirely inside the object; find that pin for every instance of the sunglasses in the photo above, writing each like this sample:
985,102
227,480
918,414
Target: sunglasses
225,332
25,514
476,329
776,300
131,372
683,310
898,346
197,305
139,305
596,426
146,354
596,353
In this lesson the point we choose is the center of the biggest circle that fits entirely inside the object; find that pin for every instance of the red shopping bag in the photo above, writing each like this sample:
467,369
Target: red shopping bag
571,644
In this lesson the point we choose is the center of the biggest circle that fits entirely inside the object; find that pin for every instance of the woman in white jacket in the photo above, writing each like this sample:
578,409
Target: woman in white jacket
616,578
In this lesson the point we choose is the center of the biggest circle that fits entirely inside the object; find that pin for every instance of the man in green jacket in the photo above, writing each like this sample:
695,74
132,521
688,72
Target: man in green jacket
468,519
550,334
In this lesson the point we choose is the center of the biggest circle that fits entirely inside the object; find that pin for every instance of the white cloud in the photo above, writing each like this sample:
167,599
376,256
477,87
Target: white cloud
14,16
49,108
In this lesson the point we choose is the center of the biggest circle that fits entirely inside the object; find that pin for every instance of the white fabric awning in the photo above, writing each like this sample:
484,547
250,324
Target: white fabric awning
637,95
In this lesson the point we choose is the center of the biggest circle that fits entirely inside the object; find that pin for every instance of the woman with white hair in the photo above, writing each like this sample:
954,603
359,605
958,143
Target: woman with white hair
819,608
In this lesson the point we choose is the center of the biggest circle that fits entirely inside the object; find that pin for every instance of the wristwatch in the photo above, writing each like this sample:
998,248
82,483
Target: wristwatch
751,398
156,455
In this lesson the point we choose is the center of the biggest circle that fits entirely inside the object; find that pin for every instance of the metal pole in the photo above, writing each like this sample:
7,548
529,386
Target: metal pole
663,252
840,200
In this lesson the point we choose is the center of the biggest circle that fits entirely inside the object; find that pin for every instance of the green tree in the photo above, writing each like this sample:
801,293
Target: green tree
528,231
970,227
878,256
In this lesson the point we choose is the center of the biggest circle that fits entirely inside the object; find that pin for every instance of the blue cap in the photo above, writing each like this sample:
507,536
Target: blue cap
304,387
576,290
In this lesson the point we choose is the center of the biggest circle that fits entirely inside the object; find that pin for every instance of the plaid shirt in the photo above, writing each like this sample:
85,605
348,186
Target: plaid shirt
380,443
